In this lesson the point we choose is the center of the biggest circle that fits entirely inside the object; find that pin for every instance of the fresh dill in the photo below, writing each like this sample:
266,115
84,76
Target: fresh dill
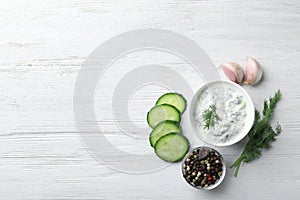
261,134
210,116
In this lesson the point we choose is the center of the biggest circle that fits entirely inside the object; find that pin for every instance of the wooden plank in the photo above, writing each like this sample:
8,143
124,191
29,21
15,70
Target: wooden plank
42,48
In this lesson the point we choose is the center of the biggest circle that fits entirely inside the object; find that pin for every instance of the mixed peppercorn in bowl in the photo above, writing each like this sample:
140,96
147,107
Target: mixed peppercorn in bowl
204,168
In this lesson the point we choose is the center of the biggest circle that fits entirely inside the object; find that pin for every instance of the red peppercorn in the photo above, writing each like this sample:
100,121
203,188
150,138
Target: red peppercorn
209,178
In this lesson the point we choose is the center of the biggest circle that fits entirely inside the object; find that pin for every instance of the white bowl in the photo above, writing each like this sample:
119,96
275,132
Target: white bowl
223,171
249,110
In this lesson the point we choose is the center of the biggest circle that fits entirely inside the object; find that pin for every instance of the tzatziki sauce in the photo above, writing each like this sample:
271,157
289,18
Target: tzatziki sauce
231,110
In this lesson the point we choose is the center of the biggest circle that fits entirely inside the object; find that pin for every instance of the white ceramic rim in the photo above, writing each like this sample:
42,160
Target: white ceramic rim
249,120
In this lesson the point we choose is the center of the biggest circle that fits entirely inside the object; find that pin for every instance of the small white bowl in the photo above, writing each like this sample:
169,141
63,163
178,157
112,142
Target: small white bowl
210,187
249,120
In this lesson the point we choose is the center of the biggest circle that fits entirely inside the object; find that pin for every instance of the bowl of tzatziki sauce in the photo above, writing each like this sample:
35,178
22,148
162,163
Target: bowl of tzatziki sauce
233,110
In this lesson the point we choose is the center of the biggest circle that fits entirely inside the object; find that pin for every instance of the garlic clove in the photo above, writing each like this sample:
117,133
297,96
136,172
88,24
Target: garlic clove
233,71
254,72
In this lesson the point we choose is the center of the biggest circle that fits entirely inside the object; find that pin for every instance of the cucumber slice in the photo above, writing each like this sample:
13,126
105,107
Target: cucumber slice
174,99
172,147
161,113
163,128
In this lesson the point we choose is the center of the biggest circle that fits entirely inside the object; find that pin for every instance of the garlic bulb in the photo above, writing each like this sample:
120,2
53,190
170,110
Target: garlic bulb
253,72
233,71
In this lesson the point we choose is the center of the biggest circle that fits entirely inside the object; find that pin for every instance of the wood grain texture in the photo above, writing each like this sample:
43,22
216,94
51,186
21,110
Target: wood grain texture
43,45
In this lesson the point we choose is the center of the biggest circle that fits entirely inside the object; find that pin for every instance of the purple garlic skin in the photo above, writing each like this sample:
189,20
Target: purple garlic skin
253,72
233,71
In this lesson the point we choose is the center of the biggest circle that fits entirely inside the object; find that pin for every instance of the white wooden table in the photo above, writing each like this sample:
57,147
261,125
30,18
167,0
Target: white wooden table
43,45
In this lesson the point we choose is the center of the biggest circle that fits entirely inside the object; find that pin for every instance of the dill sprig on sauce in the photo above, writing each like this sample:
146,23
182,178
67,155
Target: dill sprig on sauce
210,116
261,134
